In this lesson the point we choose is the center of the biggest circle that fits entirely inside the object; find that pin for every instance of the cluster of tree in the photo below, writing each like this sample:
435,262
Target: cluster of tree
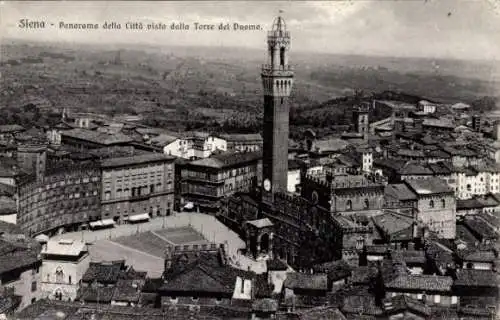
485,104
28,116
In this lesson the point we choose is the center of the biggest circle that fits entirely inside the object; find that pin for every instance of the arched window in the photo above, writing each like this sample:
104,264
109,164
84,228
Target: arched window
59,275
348,205
282,56
443,203
367,204
469,188
431,203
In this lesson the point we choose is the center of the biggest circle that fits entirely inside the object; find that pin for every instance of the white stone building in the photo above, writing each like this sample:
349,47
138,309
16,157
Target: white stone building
63,265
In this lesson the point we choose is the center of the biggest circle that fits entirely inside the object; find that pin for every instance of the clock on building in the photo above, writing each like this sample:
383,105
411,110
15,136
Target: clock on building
267,185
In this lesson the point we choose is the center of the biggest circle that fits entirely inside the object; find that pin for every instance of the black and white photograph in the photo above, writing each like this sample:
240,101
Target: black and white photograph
250,160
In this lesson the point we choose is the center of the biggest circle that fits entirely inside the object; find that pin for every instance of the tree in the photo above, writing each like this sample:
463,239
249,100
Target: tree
484,104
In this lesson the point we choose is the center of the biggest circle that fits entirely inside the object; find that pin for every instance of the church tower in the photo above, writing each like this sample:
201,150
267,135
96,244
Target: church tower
277,82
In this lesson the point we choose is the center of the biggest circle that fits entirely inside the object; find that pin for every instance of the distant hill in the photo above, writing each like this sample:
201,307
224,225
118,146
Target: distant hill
196,86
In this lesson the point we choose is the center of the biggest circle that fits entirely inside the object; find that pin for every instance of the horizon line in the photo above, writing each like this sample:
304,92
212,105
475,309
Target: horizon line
378,55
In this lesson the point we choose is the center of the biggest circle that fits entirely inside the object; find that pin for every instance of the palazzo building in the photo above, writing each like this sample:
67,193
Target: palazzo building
65,199
137,186
205,182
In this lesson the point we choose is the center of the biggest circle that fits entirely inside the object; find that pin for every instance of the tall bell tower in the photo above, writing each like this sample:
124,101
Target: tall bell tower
277,82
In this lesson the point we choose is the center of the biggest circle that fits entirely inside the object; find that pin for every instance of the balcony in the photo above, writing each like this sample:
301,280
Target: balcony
278,34
268,68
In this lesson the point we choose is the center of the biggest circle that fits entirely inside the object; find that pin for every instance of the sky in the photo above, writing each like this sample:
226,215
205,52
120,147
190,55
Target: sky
462,29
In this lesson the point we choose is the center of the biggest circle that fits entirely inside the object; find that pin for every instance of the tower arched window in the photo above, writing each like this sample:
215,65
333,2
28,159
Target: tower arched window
348,205
282,56
431,203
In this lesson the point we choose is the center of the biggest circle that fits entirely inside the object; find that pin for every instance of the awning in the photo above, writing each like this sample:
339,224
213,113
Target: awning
102,223
42,238
139,217
189,206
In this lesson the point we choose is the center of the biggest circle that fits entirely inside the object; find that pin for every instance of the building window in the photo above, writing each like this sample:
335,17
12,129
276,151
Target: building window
443,203
69,279
33,286
437,298
367,204
59,275
348,205
469,188
431,203
360,243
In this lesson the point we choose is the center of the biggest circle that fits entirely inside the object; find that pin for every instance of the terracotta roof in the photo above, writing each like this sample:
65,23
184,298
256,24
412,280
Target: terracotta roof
228,159
476,278
265,305
47,309
14,257
391,223
469,204
413,256
127,290
198,279
476,255
441,123
492,219
11,128
95,294
421,282
400,191
363,274
480,227
410,153
302,281
488,201
203,273
10,228
335,270
428,186
7,205
363,305
329,145
236,137
97,137
163,139
9,303
321,313
134,160
294,164
103,272
402,303
462,233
